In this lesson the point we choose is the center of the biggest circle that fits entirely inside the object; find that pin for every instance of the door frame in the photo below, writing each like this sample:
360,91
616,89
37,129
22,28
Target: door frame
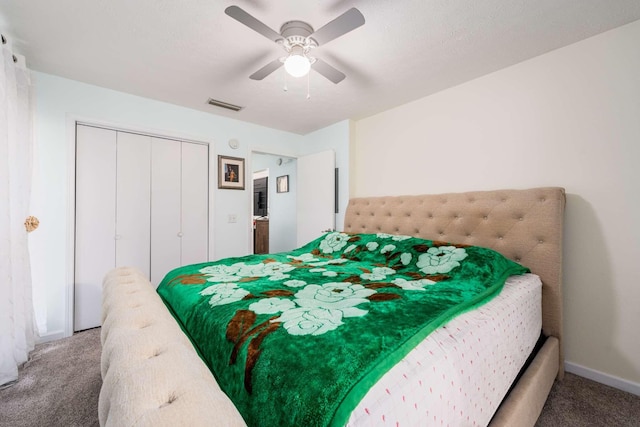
259,150
71,122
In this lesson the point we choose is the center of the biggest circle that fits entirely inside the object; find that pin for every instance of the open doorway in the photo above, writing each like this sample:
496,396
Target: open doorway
261,211
274,201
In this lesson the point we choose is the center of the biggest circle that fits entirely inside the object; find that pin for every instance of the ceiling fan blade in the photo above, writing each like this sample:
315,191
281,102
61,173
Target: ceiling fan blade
328,71
266,70
244,18
348,21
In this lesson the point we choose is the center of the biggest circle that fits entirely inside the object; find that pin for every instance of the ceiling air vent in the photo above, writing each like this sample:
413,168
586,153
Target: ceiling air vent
223,104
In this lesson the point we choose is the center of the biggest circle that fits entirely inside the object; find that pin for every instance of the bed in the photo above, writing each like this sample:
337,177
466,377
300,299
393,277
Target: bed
153,376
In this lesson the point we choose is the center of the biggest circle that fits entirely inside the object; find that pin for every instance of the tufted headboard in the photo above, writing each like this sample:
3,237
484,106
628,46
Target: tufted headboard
524,225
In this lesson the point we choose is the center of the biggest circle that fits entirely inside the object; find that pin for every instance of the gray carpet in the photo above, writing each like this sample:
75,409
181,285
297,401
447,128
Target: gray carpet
59,386
577,401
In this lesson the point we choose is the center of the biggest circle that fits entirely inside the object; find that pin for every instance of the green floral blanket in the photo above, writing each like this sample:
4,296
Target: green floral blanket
298,338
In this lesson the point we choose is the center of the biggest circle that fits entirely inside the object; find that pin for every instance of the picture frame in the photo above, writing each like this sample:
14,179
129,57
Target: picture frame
231,172
282,184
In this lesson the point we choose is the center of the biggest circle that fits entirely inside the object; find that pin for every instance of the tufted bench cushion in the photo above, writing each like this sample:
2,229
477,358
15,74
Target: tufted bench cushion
151,373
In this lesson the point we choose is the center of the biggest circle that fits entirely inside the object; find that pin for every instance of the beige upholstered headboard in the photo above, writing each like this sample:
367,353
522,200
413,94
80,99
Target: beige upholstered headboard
524,225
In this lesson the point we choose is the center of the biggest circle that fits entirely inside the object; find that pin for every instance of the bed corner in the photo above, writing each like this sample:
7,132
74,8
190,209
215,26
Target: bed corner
525,226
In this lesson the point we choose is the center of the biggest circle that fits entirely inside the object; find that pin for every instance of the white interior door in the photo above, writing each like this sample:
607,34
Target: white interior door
195,203
133,201
165,207
315,195
95,221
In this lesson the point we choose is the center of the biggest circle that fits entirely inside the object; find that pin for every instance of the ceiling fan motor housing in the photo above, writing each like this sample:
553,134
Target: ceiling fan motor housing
296,28
296,38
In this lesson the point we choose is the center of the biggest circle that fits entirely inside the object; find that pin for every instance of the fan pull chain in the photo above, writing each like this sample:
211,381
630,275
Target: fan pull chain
285,80
308,89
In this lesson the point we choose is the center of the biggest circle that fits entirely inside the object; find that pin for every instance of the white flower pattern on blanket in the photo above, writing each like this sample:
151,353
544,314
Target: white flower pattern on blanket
316,309
224,293
333,242
285,294
240,270
440,260
304,306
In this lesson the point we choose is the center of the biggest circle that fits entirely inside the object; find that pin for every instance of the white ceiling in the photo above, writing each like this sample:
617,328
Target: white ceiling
184,52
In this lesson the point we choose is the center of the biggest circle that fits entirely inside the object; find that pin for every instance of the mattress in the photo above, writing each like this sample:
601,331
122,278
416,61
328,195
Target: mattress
461,372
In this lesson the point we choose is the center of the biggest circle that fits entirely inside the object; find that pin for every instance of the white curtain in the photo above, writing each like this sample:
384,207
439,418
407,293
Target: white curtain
16,309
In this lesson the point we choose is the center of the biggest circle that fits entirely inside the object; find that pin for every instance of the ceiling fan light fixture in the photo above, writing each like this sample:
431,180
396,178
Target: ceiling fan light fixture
297,64
298,38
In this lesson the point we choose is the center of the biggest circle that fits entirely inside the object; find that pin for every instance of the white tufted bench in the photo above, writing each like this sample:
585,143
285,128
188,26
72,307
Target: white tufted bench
151,374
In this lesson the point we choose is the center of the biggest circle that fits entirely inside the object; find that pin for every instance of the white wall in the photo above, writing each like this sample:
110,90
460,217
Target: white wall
568,118
58,100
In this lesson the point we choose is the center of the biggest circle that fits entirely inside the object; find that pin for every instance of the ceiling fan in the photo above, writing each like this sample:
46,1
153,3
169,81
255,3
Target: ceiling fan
298,39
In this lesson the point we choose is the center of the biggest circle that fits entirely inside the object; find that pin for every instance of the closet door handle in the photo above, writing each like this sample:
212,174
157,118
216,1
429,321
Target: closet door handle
117,237
180,234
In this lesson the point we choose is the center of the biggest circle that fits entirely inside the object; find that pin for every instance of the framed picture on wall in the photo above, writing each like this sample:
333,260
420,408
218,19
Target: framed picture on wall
282,184
231,173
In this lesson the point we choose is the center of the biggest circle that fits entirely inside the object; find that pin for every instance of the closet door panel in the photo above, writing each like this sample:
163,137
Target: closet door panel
95,221
133,201
165,207
195,203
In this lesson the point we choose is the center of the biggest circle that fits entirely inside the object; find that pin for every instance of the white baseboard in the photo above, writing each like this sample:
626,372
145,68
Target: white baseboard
50,336
601,377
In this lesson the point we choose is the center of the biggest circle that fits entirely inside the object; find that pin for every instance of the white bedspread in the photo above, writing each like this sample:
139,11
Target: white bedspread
459,374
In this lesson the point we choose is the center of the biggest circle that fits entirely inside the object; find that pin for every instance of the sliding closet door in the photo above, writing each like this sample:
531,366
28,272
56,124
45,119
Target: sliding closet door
140,202
166,171
95,221
195,203
133,201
